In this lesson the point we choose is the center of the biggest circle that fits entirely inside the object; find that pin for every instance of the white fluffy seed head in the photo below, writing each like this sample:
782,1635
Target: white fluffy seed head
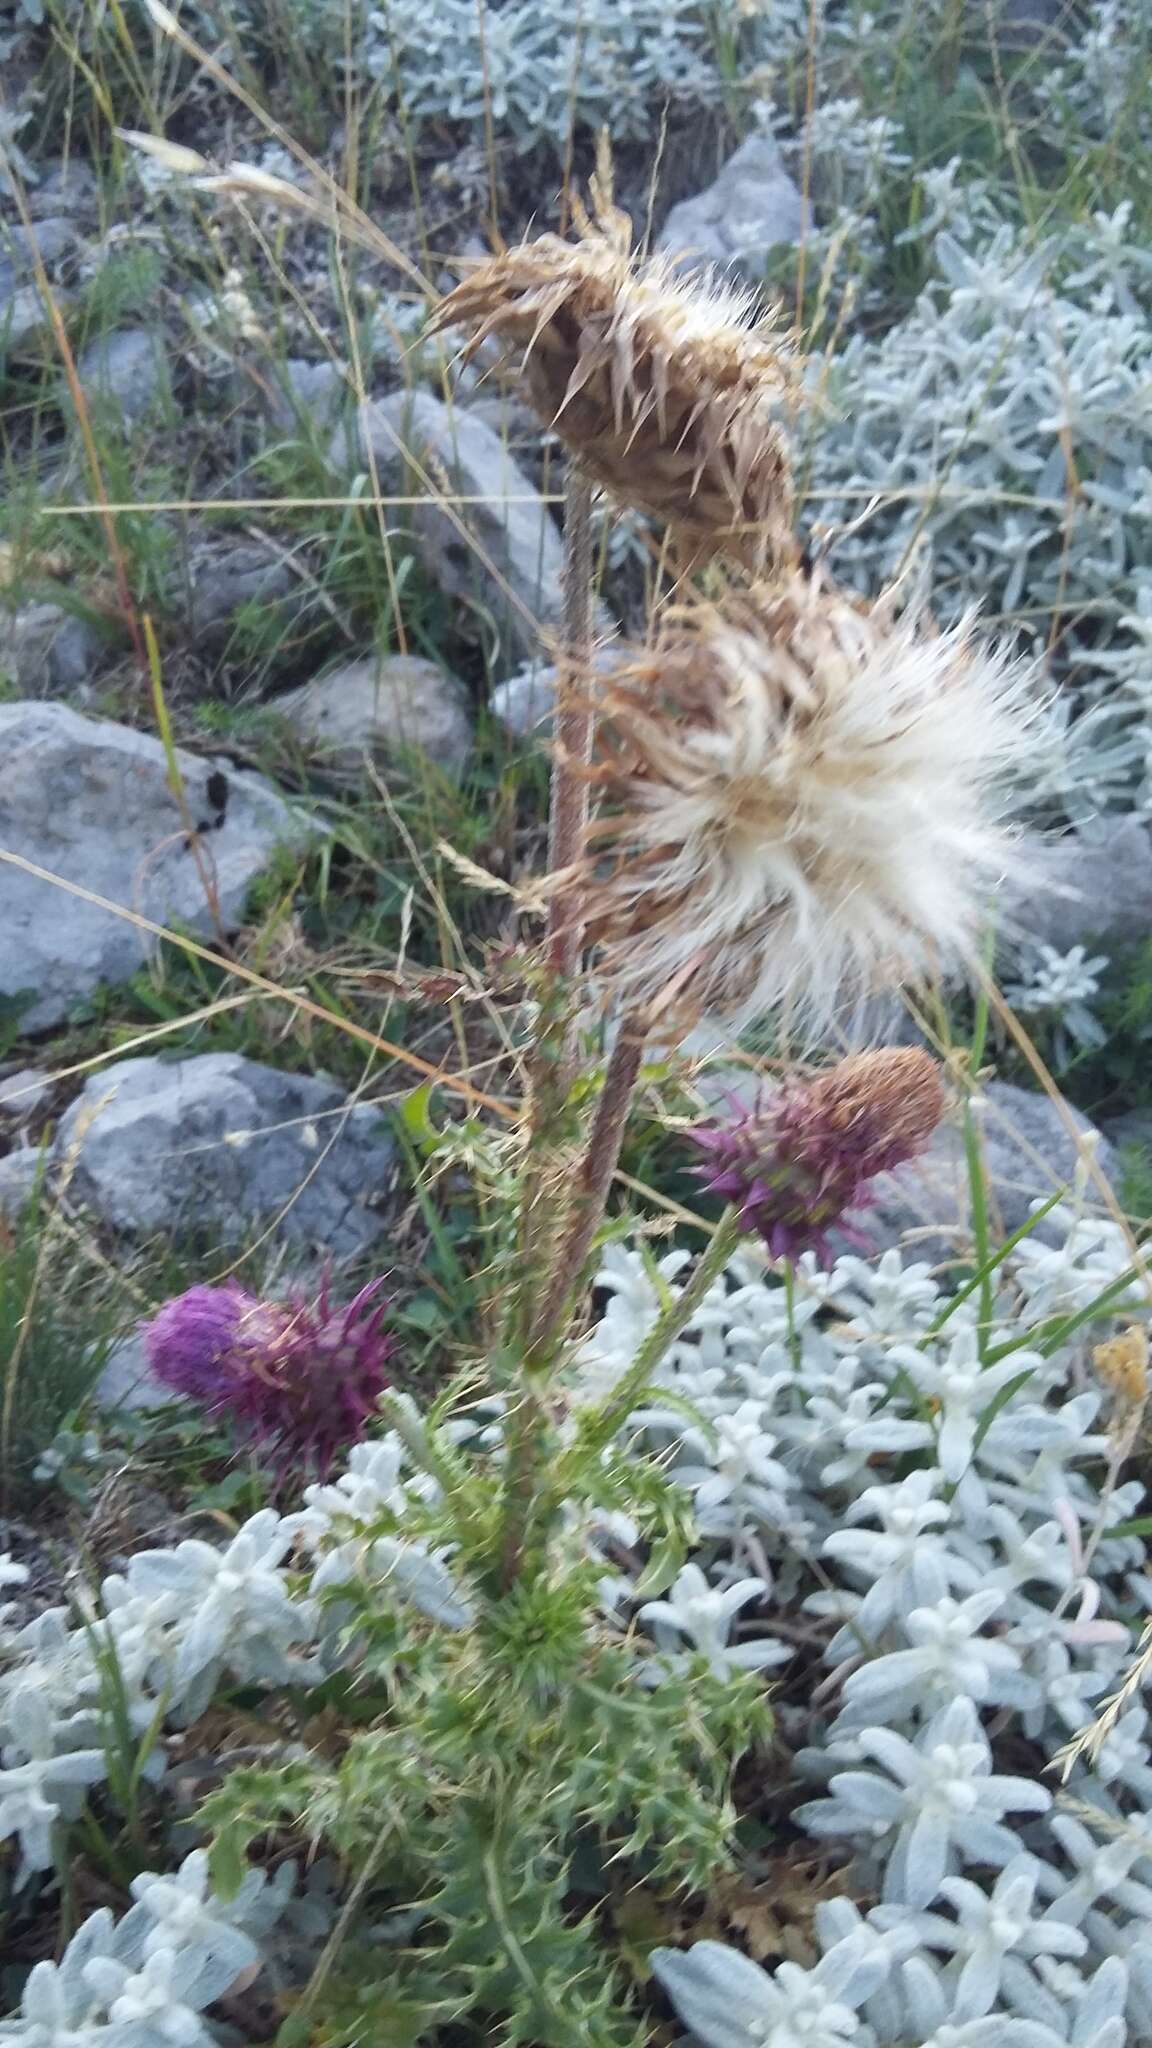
802,798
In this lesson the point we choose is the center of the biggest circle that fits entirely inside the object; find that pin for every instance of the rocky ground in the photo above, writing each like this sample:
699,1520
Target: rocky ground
276,585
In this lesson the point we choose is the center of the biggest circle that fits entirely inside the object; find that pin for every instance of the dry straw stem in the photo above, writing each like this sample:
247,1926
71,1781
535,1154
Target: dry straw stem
801,798
660,386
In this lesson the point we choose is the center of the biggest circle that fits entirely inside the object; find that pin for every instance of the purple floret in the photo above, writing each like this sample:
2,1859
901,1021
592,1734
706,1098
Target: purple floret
300,1378
804,1158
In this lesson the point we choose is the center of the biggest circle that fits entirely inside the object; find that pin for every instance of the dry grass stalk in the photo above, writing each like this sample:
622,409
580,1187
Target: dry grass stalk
662,387
799,798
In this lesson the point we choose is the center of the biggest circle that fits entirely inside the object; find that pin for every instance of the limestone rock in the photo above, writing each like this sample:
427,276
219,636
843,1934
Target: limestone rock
23,317
223,1144
89,800
1084,891
49,239
67,186
297,393
380,706
23,1090
24,312
502,548
1030,1150
524,703
126,1381
750,209
229,576
46,651
19,1172
124,375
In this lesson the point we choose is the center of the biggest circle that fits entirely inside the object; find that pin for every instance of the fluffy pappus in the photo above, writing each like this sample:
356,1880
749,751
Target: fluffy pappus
802,797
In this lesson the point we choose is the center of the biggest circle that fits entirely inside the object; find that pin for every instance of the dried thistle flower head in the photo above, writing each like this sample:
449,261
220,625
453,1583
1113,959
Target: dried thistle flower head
806,1156
300,1378
800,798
662,387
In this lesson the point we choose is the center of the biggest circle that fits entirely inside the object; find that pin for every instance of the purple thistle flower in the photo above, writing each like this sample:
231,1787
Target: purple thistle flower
299,1378
805,1156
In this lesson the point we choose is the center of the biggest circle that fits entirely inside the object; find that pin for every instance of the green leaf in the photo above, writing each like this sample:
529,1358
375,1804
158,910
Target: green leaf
413,1113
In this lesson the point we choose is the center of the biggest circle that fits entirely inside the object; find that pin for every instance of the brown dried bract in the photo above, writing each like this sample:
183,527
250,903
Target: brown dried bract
890,1100
659,385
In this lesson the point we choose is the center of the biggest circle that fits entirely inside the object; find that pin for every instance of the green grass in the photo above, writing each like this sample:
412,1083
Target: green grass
60,1314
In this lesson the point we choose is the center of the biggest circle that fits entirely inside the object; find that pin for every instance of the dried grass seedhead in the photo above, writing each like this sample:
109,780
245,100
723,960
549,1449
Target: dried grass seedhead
1121,1363
662,387
800,798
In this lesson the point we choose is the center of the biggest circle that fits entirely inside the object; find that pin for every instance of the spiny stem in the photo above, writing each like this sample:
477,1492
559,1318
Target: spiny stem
523,1503
551,1064
525,1507
543,1288
593,1180
573,731
603,1425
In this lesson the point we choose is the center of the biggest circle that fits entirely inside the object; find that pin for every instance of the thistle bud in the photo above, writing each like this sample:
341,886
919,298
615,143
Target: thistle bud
298,1378
805,1157
662,387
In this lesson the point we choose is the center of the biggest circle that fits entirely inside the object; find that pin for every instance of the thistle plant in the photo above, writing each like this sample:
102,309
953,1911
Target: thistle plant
787,795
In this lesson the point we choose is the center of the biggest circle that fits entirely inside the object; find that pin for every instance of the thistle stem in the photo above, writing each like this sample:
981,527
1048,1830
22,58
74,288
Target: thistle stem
527,1501
593,1181
553,1058
573,732
602,1426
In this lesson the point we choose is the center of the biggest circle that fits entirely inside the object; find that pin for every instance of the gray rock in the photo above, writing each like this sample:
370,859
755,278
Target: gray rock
45,651
24,312
224,579
304,394
51,240
24,317
220,1143
504,550
1021,24
1082,891
126,1381
68,186
750,209
1030,1151
378,707
1133,1127
524,703
22,1092
89,801
19,1172
507,416
124,375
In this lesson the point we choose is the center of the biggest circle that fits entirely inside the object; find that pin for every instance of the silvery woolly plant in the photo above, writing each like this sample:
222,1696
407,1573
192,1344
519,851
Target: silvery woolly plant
528,1608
